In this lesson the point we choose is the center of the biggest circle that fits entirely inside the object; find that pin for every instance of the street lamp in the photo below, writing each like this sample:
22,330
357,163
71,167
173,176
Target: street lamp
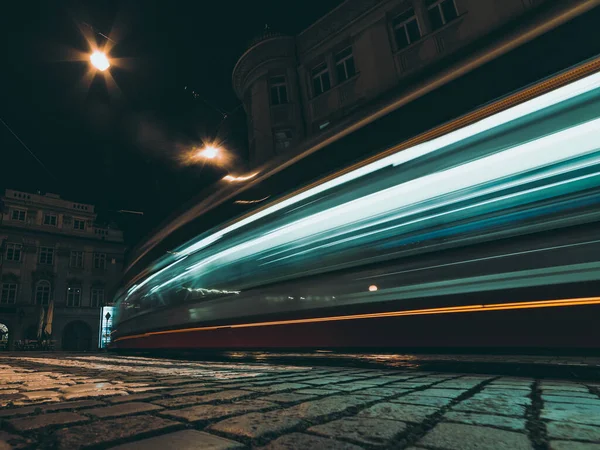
99,60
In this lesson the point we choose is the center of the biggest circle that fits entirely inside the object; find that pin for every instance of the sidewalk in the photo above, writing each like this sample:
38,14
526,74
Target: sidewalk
101,401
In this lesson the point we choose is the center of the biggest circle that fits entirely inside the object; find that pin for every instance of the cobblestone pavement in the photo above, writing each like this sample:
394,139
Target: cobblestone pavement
106,401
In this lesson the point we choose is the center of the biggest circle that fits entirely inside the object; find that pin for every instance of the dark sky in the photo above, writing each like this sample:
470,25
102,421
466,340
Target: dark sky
118,145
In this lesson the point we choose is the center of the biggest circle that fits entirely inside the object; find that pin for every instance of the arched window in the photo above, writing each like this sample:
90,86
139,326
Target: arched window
42,293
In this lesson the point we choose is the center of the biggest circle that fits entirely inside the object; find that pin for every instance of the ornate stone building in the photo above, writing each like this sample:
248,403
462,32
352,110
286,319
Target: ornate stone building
54,256
299,90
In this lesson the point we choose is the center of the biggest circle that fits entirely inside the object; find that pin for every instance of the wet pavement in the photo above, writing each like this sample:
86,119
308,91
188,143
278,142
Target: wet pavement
70,401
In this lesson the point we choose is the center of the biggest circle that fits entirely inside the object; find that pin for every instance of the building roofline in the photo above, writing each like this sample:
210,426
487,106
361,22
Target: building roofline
320,19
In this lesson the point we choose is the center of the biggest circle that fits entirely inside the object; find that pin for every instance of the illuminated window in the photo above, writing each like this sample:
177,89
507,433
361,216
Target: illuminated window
320,78
9,293
441,12
278,91
46,255
78,224
50,219
76,260
13,252
283,139
406,29
97,298
73,296
42,293
99,260
344,65
18,214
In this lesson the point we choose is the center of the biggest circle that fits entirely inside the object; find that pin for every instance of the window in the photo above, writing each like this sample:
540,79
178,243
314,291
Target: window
13,252
9,293
441,12
97,297
46,255
73,296
283,139
406,29
50,219
78,224
344,65
278,91
320,77
76,260
42,293
18,214
99,260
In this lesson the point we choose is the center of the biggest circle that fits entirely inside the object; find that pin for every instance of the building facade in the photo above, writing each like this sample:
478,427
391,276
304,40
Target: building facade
296,88
54,253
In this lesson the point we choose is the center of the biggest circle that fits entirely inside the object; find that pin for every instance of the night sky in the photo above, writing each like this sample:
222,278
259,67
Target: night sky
119,144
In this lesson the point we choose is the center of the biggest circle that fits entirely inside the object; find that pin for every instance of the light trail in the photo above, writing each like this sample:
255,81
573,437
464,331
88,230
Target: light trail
415,312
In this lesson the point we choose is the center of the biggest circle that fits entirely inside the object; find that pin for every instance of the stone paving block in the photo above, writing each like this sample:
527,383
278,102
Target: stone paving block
41,395
49,407
376,432
123,409
288,397
567,412
454,436
278,387
210,412
46,420
511,397
113,430
86,394
10,441
492,405
223,396
398,411
448,393
132,398
148,389
257,425
185,400
510,423
182,440
572,445
315,391
301,441
576,431
574,394
318,409
417,399
594,401
193,390
564,387
352,387
383,392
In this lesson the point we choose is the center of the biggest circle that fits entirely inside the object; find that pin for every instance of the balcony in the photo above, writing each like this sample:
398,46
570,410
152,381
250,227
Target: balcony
337,99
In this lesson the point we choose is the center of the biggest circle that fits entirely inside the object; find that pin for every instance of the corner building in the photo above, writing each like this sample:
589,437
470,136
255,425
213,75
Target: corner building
297,90
53,249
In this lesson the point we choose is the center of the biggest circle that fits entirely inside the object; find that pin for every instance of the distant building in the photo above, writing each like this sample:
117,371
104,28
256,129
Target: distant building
296,88
52,250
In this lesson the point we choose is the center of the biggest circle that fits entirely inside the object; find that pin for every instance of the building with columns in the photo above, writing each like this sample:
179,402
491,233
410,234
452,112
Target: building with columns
297,89
54,253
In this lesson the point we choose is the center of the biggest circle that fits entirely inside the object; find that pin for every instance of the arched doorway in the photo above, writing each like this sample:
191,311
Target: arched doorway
77,337
3,337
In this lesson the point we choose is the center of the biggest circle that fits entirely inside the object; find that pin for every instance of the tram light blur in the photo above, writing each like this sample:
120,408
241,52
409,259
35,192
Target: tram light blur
372,288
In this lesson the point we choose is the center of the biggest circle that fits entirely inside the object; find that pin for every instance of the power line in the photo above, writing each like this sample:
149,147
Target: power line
28,149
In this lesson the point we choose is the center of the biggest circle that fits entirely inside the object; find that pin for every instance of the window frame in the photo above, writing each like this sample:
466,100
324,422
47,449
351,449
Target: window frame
437,4
314,74
343,62
19,211
5,287
46,251
81,221
77,254
289,139
50,215
73,291
278,87
99,256
97,296
43,284
16,248
404,25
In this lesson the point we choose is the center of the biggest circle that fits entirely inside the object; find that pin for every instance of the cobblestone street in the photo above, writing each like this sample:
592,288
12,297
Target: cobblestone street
70,401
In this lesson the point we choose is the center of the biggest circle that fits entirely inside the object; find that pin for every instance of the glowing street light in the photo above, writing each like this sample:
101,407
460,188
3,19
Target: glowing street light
209,152
99,60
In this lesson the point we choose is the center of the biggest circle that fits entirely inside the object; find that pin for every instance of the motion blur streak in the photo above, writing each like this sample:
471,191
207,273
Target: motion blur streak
447,310
510,202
